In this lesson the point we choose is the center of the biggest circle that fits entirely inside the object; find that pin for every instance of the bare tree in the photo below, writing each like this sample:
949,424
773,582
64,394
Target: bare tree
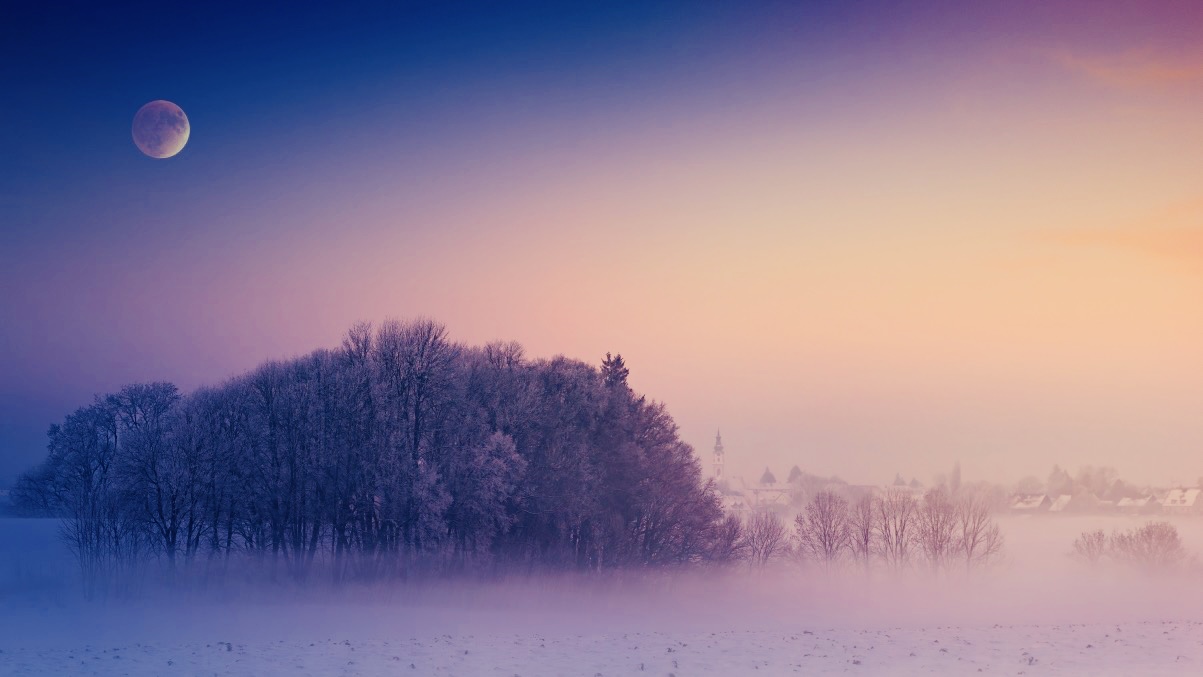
728,543
159,455
979,541
823,529
861,527
1090,547
480,485
894,526
764,537
936,531
1155,547
82,481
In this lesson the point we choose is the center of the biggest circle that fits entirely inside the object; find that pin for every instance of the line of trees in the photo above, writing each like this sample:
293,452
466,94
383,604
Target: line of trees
938,532
399,449
1153,548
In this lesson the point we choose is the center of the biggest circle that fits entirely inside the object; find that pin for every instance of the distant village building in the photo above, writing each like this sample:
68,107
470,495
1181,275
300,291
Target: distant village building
915,492
718,456
740,498
1183,501
735,504
769,497
1061,503
1139,505
1079,502
1030,503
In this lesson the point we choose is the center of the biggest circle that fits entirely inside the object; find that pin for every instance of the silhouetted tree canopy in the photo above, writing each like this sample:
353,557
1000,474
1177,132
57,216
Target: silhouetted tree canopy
768,477
399,446
795,473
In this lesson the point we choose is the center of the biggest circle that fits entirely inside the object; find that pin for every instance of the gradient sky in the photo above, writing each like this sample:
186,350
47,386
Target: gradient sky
859,237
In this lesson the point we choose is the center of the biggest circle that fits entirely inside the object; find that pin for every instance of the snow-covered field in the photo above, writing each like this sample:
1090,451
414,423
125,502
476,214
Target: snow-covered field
1039,614
1171,648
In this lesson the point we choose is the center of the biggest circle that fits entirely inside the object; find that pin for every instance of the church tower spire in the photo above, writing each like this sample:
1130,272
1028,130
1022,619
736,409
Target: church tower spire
718,456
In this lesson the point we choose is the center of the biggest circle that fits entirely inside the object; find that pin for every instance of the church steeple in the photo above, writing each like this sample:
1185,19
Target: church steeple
718,455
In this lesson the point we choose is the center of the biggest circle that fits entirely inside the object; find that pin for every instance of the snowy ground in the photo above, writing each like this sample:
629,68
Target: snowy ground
1039,615
1170,648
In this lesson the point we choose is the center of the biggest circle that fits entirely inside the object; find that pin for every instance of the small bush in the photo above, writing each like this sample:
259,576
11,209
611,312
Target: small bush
1153,547
1090,547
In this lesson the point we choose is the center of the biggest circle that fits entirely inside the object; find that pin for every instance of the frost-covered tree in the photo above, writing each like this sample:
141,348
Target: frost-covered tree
764,538
399,448
861,527
480,483
727,543
936,528
81,481
159,460
979,540
895,528
823,529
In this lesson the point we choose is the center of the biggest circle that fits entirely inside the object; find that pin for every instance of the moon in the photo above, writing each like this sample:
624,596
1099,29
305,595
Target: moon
160,129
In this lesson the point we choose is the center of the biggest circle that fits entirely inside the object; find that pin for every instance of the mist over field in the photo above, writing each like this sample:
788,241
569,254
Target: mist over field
1039,603
1037,580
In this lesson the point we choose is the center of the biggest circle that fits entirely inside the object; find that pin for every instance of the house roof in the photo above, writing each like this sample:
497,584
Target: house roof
734,504
770,496
1061,503
1028,501
1181,498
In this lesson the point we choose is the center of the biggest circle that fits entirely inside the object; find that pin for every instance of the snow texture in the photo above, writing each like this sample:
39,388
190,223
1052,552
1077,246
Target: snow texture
1040,615
1166,648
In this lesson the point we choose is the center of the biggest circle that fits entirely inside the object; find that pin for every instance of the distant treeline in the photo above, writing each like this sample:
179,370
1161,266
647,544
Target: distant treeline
399,449
897,531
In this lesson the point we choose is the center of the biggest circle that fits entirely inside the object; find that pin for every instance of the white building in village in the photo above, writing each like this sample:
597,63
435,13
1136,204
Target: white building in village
741,497
1061,503
1143,504
1030,503
1183,501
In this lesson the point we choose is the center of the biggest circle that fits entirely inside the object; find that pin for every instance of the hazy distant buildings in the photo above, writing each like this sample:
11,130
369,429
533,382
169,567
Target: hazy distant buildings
1069,497
1172,502
1030,503
1183,501
1061,503
741,498
1139,505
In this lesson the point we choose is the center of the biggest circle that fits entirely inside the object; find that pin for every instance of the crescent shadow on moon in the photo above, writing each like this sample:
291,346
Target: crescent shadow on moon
160,129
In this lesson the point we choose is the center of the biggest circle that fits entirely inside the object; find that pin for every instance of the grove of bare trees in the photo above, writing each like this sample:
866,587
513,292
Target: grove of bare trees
399,449
898,531
1153,548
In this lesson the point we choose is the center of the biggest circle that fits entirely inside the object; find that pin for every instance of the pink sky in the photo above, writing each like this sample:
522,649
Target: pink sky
986,250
